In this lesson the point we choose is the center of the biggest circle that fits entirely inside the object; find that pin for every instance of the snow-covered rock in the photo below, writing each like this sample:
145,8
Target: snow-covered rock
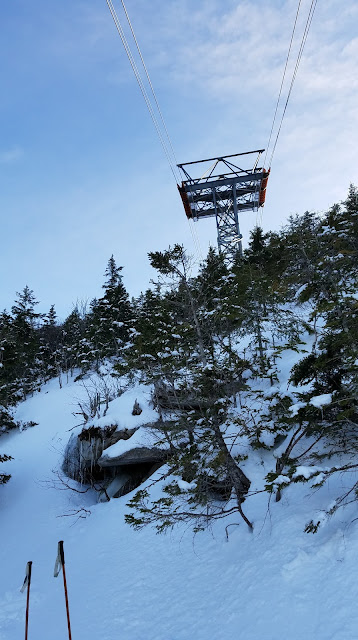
115,461
139,448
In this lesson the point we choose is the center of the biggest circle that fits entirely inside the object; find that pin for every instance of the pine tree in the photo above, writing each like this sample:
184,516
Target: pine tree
175,265
192,381
329,375
213,289
73,330
4,477
110,320
8,361
24,328
50,345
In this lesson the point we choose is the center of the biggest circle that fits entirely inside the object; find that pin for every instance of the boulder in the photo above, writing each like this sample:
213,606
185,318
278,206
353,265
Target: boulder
115,461
137,455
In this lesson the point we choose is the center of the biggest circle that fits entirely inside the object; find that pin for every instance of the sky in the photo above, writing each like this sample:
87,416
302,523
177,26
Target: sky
82,172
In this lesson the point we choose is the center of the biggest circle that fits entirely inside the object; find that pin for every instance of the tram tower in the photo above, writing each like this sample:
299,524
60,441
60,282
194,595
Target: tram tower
223,191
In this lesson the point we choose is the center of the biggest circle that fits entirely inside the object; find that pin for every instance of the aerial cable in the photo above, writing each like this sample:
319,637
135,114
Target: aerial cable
140,83
149,82
139,80
196,243
136,72
196,240
299,56
282,81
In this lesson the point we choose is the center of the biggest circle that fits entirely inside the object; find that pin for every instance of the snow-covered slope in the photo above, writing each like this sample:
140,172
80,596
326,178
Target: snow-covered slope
277,582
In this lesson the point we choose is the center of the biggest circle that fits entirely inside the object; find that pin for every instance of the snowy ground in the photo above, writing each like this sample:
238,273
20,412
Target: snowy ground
277,582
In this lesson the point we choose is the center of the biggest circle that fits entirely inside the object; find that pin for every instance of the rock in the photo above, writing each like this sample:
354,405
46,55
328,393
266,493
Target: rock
87,462
127,479
114,488
137,409
123,434
137,455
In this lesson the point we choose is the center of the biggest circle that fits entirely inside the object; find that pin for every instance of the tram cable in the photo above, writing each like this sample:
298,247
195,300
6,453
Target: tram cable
283,80
149,82
167,152
298,60
141,85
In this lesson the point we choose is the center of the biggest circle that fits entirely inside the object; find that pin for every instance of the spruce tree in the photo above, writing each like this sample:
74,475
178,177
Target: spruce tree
192,382
8,361
73,330
25,324
4,477
50,345
110,320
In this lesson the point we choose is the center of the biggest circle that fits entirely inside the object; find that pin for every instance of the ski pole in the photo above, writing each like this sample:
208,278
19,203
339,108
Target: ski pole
27,582
60,563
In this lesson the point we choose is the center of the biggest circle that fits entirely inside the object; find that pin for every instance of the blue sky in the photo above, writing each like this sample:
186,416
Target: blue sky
82,174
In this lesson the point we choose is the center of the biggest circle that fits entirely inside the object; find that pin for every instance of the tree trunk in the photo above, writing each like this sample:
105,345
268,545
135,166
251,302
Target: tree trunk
240,481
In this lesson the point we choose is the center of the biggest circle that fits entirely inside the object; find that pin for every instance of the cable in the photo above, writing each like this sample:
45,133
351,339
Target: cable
177,178
282,81
140,82
196,240
150,82
303,42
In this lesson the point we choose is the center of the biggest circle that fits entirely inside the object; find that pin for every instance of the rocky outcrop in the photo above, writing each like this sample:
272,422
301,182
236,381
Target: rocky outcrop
95,456
137,455
116,462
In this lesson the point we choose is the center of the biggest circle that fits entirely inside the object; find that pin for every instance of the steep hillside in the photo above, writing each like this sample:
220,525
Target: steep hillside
276,580
220,410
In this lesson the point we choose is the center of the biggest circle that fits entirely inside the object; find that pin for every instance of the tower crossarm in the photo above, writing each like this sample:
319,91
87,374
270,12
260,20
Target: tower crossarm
223,191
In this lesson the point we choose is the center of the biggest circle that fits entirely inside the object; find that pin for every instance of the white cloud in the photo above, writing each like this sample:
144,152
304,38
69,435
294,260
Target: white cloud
236,63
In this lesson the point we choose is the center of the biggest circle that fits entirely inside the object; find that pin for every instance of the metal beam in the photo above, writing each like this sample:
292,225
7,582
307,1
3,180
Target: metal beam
234,155
225,195
199,186
208,213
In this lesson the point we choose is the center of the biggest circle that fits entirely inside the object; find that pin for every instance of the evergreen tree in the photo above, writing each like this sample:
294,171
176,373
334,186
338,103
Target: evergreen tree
50,345
73,330
8,361
24,329
191,385
328,412
110,320
4,477
174,264
213,289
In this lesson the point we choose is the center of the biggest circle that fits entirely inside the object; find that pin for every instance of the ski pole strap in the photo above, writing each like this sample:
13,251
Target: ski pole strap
60,560
27,577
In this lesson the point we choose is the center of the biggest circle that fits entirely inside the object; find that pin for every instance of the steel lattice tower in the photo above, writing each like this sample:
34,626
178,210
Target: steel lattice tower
223,191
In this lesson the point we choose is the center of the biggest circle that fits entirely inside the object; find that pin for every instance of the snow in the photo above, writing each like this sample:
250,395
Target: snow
185,486
267,438
143,437
281,480
294,408
120,410
322,400
275,582
306,472
318,479
300,290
